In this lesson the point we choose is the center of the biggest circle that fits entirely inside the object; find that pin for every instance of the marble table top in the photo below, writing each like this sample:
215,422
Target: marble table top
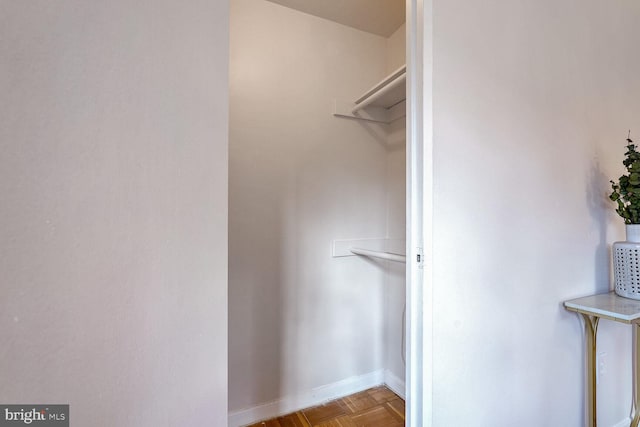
609,305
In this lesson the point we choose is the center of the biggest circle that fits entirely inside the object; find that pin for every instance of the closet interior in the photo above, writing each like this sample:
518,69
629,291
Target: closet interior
317,204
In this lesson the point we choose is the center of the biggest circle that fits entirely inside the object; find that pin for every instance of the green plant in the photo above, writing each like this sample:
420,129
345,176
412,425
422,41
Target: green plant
626,192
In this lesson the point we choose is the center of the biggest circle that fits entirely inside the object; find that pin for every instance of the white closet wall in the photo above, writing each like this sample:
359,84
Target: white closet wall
299,178
396,49
396,225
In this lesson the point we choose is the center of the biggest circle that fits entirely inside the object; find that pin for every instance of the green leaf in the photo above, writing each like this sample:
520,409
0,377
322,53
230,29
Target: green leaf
626,191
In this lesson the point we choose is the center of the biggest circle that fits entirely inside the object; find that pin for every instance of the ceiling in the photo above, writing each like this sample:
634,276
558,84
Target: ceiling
380,17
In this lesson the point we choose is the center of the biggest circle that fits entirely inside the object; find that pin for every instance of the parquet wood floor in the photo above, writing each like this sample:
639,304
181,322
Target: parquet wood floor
376,407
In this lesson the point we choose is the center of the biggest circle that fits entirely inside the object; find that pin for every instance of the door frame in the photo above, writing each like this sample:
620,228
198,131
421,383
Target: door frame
419,295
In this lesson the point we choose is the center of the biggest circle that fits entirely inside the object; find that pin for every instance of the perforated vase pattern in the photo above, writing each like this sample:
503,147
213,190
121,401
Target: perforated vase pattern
626,269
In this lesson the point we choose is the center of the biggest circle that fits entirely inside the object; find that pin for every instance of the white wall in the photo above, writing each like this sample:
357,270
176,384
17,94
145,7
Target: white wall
396,47
113,180
396,228
395,272
532,103
300,178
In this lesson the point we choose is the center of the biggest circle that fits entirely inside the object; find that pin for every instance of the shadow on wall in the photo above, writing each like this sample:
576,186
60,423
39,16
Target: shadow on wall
255,282
599,205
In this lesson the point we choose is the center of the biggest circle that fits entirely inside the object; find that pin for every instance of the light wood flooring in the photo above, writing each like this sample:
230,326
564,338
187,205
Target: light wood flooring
376,407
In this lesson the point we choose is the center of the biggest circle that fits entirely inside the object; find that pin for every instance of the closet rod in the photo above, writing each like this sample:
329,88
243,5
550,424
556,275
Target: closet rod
377,254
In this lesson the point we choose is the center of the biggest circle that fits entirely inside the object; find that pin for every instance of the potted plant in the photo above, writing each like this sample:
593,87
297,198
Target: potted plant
626,255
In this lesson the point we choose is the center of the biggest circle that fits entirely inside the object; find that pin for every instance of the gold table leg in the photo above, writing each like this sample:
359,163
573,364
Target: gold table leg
591,330
636,375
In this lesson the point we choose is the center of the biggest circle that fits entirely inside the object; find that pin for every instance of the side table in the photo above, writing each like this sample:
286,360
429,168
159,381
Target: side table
611,307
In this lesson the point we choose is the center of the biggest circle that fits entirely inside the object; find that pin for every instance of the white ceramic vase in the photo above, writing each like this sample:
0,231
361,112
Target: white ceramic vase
626,264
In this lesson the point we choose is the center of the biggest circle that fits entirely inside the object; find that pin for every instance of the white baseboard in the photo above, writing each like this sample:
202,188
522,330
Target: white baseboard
307,399
623,423
396,384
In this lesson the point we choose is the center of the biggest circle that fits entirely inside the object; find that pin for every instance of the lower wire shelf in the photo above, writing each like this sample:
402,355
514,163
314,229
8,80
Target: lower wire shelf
378,254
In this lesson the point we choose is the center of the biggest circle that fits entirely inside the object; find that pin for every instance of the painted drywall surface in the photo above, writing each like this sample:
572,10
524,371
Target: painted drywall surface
300,178
396,49
395,272
113,176
396,220
532,103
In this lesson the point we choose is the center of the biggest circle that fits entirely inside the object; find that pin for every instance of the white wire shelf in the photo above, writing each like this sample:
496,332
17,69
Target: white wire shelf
383,103
389,256
382,248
